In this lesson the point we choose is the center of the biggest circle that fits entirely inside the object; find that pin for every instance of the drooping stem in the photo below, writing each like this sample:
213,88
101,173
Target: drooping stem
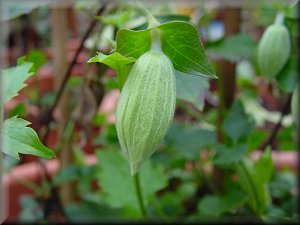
137,186
152,22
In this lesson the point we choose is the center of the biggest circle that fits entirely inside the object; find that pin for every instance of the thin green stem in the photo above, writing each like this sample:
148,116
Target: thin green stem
156,40
139,194
279,18
152,22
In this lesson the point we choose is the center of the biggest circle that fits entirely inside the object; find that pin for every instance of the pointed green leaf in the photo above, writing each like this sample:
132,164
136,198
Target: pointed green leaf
18,138
118,62
253,183
216,205
133,43
185,140
238,124
180,42
233,48
264,166
234,199
117,19
227,156
13,79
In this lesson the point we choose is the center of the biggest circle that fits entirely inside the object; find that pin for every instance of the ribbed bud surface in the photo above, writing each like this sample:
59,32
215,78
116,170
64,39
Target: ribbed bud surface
146,107
274,50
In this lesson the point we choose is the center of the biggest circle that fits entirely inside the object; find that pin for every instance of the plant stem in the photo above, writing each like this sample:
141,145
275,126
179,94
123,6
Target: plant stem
139,194
273,133
156,40
279,18
152,22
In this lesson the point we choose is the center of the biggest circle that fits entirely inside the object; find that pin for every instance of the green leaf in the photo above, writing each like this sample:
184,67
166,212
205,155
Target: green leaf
13,79
118,186
238,124
180,42
108,136
133,43
253,180
256,138
30,209
191,89
282,183
233,200
287,78
116,61
216,205
37,57
13,9
211,205
74,172
287,140
21,60
18,138
251,185
117,19
189,140
264,166
233,48
91,212
227,156
18,110
172,202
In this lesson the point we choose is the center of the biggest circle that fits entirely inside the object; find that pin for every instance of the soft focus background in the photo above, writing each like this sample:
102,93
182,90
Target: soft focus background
194,175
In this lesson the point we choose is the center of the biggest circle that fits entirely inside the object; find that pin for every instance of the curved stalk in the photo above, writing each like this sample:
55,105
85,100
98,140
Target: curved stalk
152,22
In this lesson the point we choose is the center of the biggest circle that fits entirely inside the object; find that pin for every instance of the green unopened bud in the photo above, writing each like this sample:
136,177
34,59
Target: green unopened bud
274,48
146,107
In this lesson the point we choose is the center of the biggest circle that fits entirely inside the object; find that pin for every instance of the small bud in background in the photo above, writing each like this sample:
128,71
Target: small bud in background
274,48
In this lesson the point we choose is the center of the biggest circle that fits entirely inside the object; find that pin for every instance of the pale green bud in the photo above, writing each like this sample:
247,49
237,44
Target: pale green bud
274,49
146,107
